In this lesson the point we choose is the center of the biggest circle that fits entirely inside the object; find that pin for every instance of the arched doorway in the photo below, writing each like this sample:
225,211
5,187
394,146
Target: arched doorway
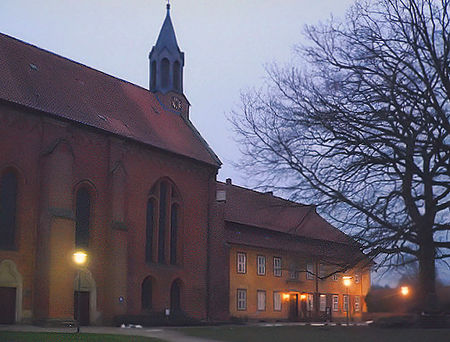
147,289
10,293
85,298
175,296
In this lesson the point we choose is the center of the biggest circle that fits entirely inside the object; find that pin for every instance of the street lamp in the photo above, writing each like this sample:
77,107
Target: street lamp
404,290
347,282
79,258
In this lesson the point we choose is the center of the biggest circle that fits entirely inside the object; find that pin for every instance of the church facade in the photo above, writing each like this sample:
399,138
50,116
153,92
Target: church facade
94,163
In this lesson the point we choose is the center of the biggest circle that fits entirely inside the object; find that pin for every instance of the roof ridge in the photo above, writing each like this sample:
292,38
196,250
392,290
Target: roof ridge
265,193
73,61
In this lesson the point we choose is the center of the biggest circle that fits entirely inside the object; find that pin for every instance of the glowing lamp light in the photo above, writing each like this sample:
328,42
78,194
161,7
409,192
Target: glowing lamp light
79,257
286,296
404,290
347,281
303,297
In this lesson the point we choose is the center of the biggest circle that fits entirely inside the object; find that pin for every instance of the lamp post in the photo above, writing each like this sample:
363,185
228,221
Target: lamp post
79,258
347,282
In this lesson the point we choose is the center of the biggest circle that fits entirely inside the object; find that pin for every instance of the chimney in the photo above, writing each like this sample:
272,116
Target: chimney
228,181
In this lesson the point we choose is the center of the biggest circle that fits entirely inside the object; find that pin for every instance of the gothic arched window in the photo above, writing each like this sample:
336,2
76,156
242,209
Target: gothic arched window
153,76
8,208
176,76
147,293
163,224
175,296
165,71
82,217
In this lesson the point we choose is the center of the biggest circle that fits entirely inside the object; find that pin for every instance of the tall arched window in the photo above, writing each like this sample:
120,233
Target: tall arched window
82,217
173,234
8,207
165,73
163,224
176,76
153,76
147,293
149,230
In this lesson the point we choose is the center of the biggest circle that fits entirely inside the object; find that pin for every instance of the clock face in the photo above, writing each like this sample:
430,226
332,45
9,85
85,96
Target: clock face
176,103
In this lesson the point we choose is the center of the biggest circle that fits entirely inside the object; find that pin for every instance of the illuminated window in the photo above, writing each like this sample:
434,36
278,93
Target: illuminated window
335,303
242,299
322,302
277,266
241,262
261,265
357,303
277,301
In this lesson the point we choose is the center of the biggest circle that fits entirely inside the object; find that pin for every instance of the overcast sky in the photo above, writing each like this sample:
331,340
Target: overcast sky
226,45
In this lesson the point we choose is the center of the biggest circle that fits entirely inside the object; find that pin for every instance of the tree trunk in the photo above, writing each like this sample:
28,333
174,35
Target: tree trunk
426,296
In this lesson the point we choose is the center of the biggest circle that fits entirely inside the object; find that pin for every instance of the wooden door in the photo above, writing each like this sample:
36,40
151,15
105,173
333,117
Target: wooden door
293,307
81,306
7,305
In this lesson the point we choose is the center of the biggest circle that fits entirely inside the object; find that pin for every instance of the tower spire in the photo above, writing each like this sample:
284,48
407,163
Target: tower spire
166,60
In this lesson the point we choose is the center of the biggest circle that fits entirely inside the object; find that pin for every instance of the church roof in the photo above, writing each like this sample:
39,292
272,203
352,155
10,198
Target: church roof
263,210
62,88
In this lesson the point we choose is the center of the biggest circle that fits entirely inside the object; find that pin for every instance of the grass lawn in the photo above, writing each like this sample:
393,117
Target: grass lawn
10,336
317,334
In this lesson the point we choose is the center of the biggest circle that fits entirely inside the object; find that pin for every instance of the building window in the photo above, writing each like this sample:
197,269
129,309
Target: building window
164,221
335,277
8,208
277,301
261,295
277,266
175,296
176,76
293,274
242,299
82,217
173,234
346,297
261,265
241,259
310,302
149,230
322,302
357,278
321,271
310,271
153,76
165,66
357,303
335,303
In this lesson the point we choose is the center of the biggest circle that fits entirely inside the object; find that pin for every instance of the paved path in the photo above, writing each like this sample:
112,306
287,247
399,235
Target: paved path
165,334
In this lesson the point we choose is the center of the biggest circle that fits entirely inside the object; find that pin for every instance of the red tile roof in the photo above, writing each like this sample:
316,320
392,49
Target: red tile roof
41,80
262,210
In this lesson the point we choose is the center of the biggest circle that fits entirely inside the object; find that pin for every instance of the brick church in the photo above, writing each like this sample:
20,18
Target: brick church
91,162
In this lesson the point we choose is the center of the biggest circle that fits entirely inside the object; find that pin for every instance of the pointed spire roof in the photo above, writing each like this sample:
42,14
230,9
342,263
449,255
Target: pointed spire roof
167,38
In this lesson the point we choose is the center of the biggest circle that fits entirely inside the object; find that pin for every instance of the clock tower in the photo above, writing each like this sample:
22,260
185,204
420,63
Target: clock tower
166,69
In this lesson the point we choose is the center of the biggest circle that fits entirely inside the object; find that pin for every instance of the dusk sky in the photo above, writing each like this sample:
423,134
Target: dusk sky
226,46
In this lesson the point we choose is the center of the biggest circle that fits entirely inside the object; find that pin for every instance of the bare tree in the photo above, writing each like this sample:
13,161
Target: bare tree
361,128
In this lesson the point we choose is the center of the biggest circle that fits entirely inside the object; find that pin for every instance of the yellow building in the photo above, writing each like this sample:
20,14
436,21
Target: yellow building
286,262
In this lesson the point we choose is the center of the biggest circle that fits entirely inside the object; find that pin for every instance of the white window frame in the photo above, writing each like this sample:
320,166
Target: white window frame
277,272
261,265
357,278
357,303
261,300
309,271
335,277
276,301
310,302
335,303
241,262
322,302
345,302
241,299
